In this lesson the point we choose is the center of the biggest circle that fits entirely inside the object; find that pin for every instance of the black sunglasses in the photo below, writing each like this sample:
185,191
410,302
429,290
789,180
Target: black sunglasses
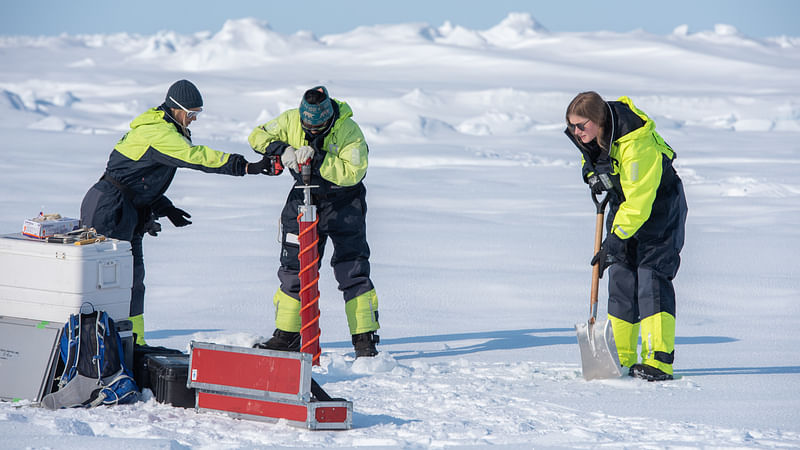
571,126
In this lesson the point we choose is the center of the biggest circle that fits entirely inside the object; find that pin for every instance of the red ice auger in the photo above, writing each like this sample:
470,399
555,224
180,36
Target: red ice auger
309,270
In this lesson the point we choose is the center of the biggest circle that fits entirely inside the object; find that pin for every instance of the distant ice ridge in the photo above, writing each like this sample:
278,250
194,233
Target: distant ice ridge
250,34
240,43
694,78
250,42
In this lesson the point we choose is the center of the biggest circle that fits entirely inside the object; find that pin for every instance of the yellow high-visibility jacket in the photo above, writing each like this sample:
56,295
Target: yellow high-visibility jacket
345,159
636,159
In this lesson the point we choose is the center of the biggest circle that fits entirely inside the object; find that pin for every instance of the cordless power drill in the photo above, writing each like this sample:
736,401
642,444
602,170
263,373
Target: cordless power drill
275,166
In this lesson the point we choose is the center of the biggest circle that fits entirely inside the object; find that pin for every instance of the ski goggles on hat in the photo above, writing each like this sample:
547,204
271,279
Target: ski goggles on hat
189,113
316,129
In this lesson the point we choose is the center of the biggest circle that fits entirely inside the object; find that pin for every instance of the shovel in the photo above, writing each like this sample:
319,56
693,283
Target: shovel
596,339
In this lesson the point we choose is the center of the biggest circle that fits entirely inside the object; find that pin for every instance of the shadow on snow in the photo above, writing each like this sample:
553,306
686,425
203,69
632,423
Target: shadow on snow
164,334
504,340
365,420
774,370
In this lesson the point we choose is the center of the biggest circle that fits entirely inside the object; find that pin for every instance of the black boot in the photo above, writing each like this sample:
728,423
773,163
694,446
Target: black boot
648,373
285,341
364,344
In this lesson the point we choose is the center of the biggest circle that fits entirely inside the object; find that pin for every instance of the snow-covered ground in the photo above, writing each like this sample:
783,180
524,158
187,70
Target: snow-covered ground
480,228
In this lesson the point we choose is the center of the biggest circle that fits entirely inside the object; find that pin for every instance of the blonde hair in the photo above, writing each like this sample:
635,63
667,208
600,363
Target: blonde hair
591,106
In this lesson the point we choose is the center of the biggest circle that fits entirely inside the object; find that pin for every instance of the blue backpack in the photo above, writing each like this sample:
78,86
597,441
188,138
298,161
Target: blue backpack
94,365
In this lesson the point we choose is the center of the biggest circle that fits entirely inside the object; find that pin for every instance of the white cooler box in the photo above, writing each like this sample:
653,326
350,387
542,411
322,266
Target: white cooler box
49,281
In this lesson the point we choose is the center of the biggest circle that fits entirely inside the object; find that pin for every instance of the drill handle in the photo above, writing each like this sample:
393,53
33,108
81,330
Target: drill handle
305,171
275,166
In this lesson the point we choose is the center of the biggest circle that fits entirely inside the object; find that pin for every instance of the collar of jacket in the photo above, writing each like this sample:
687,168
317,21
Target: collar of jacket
592,152
623,120
186,132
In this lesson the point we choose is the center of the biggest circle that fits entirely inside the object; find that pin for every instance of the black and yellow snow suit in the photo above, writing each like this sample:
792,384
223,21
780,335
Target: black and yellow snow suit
140,169
648,212
338,168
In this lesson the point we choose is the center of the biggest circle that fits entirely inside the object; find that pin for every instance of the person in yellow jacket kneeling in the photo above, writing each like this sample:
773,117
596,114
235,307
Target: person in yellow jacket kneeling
624,156
323,134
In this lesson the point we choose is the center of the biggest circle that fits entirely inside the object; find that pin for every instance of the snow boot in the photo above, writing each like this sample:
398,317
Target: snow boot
364,344
285,341
648,373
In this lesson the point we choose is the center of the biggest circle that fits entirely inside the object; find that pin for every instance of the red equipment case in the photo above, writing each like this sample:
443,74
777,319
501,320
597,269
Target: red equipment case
264,385
314,415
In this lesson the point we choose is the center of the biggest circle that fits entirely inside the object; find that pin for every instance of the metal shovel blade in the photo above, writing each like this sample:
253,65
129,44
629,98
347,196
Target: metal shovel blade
598,350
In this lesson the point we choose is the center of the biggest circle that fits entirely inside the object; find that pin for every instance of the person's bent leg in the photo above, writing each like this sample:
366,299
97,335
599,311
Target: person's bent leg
350,262
137,290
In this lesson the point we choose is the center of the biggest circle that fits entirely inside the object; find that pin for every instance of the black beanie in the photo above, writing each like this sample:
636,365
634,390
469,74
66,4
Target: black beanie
185,93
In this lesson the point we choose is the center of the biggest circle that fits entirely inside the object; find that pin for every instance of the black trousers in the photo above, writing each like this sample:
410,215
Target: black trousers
342,219
640,288
642,285
106,210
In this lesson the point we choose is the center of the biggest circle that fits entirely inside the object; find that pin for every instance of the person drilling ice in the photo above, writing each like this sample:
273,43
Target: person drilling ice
125,203
322,134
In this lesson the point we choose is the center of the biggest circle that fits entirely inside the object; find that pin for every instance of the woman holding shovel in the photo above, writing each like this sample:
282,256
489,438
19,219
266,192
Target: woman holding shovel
625,157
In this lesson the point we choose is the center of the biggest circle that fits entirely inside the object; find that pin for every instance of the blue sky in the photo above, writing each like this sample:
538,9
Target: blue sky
755,18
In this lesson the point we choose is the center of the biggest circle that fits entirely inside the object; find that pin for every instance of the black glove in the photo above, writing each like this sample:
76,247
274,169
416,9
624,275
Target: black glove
152,227
263,166
611,251
177,216
599,183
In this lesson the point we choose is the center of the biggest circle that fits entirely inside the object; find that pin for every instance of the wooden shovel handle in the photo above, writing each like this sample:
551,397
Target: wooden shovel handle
598,240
